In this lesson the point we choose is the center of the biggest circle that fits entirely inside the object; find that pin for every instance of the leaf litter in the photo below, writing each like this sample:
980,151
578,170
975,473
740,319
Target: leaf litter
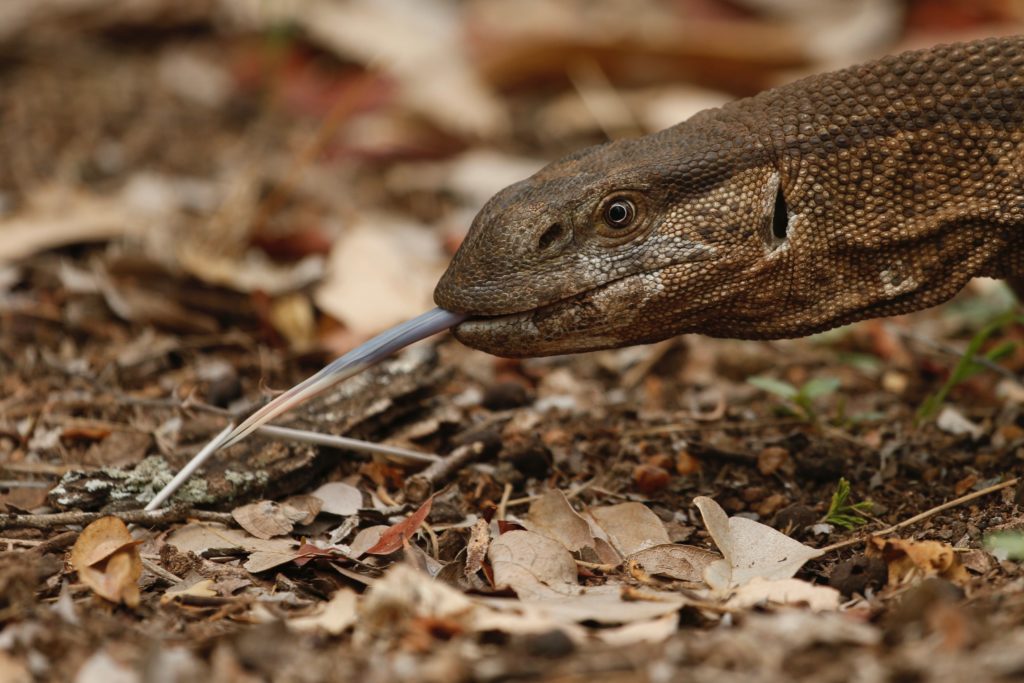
172,210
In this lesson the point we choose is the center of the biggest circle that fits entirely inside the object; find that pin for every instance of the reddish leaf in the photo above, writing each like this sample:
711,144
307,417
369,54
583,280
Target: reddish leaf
505,526
396,536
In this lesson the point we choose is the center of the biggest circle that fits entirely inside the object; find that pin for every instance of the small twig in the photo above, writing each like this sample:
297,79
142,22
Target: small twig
924,515
605,567
156,569
420,486
142,517
502,511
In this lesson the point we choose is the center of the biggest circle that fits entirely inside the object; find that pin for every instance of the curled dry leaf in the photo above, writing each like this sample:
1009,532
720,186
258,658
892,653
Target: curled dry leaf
266,519
476,548
552,516
681,562
107,560
910,561
309,505
758,591
749,549
396,535
630,527
339,498
534,566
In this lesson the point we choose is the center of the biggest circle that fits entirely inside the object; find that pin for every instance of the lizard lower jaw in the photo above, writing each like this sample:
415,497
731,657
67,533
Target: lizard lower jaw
600,318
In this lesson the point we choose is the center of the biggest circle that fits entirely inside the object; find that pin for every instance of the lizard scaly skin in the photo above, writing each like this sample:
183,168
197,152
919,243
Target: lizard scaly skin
871,191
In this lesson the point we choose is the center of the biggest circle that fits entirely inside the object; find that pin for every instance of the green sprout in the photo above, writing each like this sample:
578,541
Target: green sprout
802,399
841,512
972,362
1008,544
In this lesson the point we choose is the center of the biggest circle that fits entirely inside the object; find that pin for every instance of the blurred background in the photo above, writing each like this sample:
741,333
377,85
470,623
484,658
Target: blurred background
305,168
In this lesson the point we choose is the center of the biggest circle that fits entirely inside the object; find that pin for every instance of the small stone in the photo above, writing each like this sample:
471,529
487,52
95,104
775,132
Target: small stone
794,519
552,644
505,396
858,574
772,504
686,464
650,479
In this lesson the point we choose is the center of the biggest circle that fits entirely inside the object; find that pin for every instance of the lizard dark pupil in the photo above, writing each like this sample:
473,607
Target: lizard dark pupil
619,213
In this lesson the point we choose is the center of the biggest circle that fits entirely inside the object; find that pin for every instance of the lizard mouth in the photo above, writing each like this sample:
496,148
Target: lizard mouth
594,319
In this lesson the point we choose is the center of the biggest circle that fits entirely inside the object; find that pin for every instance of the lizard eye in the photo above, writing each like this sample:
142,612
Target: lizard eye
619,213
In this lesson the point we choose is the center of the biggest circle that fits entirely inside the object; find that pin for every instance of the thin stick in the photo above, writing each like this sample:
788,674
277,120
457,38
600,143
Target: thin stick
345,442
419,487
924,515
143,517
189,469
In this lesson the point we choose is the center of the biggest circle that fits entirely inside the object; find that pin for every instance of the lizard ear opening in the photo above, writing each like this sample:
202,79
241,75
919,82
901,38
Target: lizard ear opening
780,216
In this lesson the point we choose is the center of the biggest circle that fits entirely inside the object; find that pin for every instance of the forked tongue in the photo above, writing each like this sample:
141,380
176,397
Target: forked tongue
352,363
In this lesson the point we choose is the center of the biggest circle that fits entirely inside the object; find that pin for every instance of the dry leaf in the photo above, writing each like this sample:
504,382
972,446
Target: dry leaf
310,505
682,562
396,536
334,617
107,560
749,549
476,547
366,539
339,498
402,595
263,554
403,260
910,561
785,592
266,519
534,566
552,516
630,527
197,586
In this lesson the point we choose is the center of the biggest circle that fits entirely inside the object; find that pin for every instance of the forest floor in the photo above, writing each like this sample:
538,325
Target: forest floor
195,214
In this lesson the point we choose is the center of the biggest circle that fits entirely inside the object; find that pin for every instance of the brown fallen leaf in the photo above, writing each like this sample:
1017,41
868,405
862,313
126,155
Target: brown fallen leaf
339,498
681,562
551,515
107,560
397,535
629,527
758,591
749,549
264,554
535,567
266,519
910,561
310,505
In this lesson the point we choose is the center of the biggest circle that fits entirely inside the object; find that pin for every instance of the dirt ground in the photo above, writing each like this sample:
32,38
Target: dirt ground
203,202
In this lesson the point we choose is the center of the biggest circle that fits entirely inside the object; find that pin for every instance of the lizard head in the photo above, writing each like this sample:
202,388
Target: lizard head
625,243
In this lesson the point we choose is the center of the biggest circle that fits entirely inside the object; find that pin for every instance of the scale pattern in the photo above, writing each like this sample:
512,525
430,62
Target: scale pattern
871,191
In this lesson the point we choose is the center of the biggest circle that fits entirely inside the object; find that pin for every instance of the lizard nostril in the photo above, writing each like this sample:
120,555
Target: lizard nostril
780,217
550,236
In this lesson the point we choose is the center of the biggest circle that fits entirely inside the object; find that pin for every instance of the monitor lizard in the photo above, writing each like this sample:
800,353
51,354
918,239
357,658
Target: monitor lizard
872,191
876,190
